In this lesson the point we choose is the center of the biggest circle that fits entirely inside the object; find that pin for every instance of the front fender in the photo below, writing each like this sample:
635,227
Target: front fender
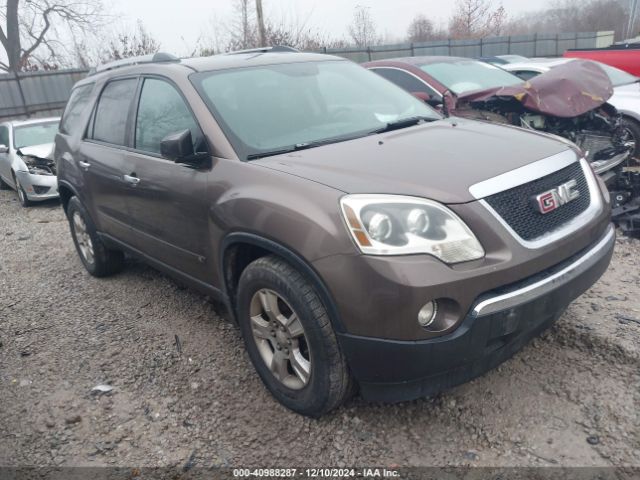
299,214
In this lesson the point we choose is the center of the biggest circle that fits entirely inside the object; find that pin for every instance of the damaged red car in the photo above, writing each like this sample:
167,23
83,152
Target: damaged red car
570,101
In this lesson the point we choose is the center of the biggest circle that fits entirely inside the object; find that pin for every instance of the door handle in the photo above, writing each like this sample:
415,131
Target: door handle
84,165
131,179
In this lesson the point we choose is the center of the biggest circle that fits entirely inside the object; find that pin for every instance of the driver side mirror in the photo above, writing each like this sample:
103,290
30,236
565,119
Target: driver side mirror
4,149
177,146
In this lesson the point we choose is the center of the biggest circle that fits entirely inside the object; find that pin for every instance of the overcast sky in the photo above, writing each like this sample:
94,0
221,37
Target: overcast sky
177,25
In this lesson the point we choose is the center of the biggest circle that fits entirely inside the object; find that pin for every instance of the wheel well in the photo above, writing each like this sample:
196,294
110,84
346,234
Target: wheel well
236,258
245,248
65,195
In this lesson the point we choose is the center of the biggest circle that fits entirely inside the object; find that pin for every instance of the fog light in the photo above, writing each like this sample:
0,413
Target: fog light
427,314
40,190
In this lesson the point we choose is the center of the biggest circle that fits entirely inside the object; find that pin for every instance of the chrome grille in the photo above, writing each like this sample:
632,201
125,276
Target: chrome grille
516,205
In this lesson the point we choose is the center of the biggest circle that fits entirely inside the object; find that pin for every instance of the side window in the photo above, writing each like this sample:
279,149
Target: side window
110,124
405,81
76,105
4,136
161,112
525,74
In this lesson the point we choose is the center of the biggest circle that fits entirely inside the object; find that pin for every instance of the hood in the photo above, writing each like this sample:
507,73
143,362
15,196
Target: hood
626,99
566,91
44,151
438,160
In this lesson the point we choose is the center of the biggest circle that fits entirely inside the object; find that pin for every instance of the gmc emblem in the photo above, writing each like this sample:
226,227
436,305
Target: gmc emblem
550,200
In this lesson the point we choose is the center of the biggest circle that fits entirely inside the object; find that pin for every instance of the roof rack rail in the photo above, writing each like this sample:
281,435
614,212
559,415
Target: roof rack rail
159,57
274,49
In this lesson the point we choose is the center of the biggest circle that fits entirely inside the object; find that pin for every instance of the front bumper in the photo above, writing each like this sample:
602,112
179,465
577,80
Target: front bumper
38,187
499,324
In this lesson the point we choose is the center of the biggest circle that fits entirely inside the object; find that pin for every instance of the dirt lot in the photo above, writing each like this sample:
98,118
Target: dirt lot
570,398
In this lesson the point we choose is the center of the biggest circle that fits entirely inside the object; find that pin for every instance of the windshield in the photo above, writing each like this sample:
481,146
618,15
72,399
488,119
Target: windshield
278,107
467,75
36,134
618,77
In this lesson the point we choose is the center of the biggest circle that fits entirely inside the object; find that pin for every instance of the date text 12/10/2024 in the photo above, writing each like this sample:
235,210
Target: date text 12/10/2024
315,472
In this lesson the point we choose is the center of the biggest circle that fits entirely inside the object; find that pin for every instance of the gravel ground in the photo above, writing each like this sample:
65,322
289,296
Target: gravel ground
570,398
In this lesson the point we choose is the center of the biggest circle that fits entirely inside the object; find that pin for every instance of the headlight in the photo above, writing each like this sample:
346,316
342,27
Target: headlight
398,225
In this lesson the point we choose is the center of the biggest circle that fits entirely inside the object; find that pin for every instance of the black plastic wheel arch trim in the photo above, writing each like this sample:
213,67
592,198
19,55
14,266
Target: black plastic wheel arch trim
295,259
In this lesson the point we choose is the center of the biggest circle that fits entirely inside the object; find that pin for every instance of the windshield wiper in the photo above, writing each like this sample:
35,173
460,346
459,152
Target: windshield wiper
403,123
282,151
396,125
304,146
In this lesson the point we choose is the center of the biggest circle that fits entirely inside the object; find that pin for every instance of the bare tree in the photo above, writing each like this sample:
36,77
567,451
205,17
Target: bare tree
476,19
362,29
242,28
299,36
135,44
420,29
31,37
575,16
115,44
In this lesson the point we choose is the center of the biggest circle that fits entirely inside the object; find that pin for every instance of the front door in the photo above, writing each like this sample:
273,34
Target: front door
167,201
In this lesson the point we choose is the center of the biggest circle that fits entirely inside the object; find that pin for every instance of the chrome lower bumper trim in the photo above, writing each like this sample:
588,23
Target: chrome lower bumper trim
546,285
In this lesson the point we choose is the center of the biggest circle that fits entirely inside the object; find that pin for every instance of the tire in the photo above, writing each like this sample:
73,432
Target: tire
22,195
3,185
633,127
95,256
329,382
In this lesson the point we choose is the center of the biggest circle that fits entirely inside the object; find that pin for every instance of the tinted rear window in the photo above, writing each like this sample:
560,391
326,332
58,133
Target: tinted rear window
113,111
75,108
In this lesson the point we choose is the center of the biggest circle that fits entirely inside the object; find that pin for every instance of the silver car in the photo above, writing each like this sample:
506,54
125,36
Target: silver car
626,89
26,159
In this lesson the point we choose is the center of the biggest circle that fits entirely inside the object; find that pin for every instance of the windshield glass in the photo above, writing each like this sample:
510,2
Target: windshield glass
279,107
467,75
36,134
618,77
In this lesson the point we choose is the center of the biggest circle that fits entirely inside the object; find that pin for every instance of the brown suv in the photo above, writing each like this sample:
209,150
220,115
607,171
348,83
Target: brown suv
357,238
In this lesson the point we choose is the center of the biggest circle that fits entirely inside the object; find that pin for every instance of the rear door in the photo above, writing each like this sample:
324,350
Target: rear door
167,201
103,157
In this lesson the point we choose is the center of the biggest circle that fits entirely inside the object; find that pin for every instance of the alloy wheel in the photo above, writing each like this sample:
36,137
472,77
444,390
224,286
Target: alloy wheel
83,238
280,338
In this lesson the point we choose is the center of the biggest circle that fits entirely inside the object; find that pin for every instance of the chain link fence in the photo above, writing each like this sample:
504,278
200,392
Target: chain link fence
534,45
36,94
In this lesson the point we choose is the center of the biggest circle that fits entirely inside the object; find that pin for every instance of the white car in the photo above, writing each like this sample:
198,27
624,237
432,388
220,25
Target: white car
26,159
626,89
